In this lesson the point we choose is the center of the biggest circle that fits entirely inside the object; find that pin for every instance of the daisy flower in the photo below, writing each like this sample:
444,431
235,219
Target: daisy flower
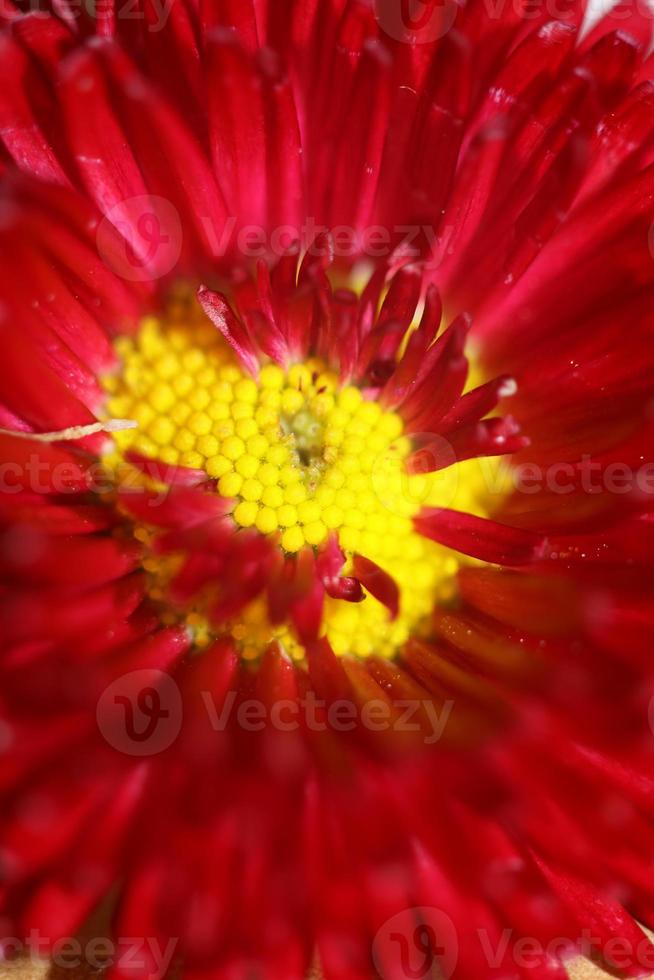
326,525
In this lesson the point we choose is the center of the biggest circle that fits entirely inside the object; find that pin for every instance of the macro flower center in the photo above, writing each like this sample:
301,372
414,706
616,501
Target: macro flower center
299,457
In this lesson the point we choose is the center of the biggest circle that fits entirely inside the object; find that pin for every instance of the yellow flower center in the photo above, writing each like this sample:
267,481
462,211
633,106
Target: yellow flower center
299,456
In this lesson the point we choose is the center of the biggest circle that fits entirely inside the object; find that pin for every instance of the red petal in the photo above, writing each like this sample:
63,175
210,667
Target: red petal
221,315
180,476
378,583
84,562
179,507
491,437
480,538
329,564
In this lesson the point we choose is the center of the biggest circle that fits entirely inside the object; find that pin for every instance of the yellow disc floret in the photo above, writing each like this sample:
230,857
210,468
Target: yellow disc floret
299,457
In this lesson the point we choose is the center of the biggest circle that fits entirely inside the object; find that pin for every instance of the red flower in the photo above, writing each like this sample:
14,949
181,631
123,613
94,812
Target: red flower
294,668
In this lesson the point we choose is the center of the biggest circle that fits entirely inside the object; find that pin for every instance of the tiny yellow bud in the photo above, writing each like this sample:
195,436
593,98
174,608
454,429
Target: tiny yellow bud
233,447
267,520
273,496
251,490
246,514
287,515
217,466
292,539
230,485
247,465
